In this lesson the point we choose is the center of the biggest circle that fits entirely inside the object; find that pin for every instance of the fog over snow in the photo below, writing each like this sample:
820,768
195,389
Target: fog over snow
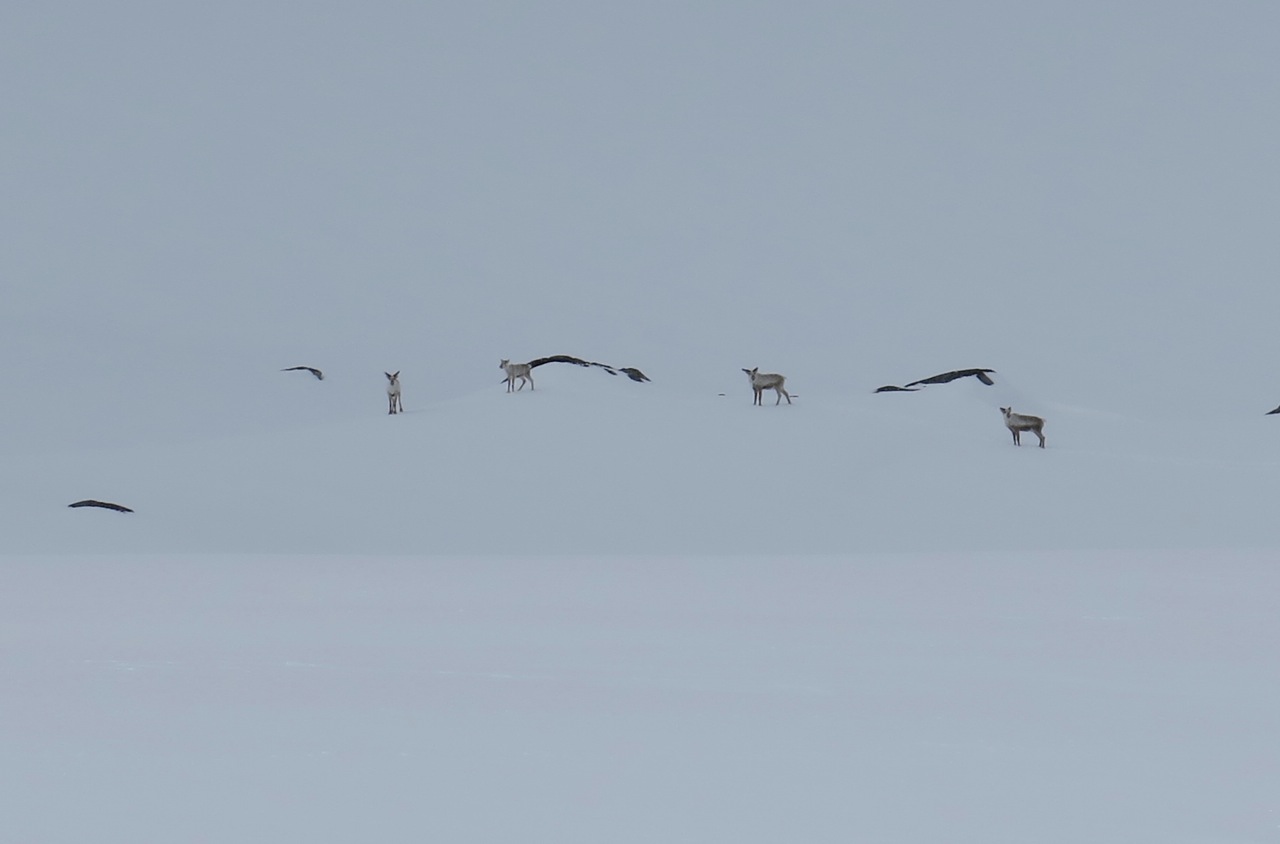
604,610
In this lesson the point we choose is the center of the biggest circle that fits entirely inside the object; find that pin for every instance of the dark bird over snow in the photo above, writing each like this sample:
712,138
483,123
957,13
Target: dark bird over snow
1270,412
106,505
317,373
630,371
944,378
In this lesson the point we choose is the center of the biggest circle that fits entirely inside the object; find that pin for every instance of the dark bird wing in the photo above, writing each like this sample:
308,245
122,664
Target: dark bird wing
317,373
106,505
558,359
948,377
890,388
630,371
1270,412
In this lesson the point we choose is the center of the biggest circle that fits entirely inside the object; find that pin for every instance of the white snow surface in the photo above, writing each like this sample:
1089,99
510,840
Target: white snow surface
593,464
607,611
1053,697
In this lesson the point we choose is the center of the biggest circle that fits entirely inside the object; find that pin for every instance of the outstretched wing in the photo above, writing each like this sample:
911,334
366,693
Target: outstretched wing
948,377
565,359
1270,412
317,373
557,359
630,371
105,505
890,388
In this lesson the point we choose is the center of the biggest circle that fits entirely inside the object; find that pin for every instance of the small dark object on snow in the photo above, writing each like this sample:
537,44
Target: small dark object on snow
106,505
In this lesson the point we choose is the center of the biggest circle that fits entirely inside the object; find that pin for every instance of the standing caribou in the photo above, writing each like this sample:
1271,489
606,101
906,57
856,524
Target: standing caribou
514,371
394,404
1019,422
761,381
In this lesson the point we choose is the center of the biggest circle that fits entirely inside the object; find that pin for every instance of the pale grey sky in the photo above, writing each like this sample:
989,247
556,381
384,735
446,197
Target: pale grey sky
1081,195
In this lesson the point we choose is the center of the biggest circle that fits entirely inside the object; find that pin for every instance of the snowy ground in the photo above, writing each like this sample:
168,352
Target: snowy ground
909,698
590,464
616,612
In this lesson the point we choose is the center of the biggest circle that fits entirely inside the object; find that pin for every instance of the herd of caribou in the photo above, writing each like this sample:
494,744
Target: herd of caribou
1017,423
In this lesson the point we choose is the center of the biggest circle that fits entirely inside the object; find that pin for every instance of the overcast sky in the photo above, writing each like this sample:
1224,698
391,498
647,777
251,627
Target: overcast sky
1081,195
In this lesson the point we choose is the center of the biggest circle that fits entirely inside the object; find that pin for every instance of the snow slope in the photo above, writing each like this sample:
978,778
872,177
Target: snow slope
610,611
593,464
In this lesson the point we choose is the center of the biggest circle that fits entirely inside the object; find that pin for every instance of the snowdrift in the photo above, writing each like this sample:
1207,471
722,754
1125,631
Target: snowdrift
589,464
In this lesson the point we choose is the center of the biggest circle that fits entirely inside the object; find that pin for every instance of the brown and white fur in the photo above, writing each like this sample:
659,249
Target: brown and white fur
1018,422
767,381
514,371
394,405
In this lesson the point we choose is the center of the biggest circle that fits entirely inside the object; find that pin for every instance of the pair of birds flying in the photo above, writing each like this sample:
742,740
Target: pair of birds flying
120,508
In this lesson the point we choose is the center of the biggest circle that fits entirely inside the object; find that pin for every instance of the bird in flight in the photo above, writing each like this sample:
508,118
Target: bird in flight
105,505
944,378
317,373
629,371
